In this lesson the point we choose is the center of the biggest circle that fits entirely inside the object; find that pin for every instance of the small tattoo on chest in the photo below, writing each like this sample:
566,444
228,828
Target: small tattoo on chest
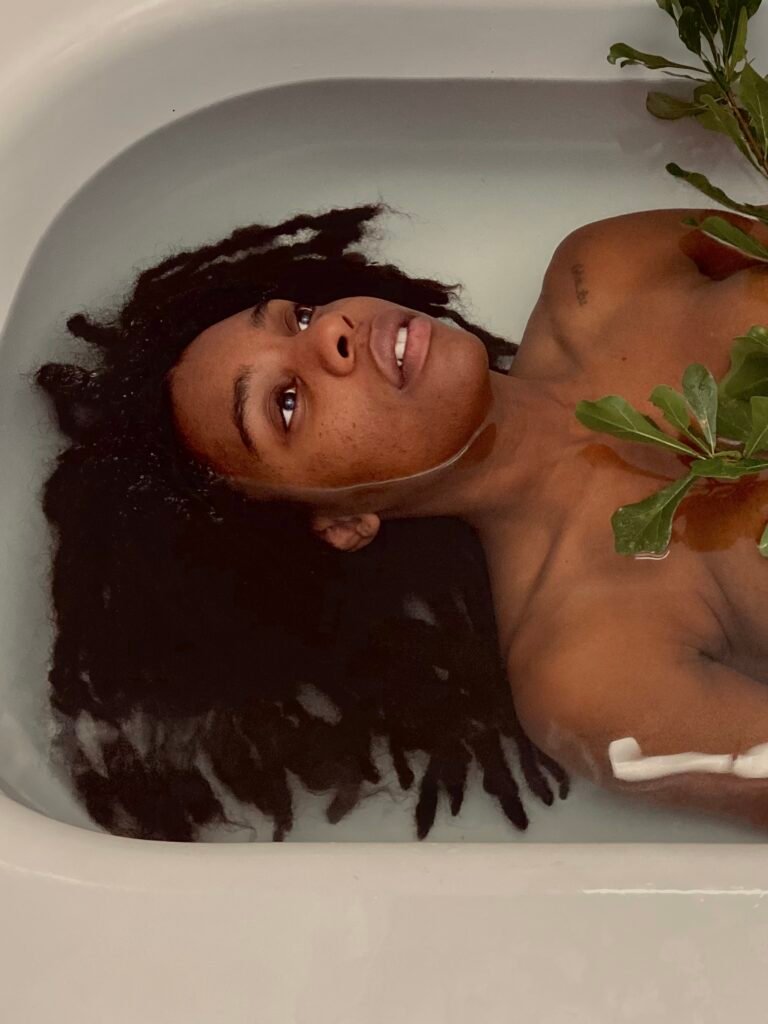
578,279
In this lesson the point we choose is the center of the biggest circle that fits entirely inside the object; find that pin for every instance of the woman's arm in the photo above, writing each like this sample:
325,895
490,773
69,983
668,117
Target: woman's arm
669,699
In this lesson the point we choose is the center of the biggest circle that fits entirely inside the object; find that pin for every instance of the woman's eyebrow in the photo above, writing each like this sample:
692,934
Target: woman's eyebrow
239,398
258,313
241,384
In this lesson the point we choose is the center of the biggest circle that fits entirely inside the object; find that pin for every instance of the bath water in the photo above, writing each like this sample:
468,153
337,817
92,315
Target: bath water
492,175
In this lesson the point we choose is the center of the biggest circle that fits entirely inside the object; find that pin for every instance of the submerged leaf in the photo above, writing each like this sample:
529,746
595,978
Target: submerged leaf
703,184
762,545
758,436
700,389
646,526
614,415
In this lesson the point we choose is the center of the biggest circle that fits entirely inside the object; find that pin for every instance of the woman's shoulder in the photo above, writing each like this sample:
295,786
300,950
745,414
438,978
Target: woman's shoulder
622,263
597,270
598,262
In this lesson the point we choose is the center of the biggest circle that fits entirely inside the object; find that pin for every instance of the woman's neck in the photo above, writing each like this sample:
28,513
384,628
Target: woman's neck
488,483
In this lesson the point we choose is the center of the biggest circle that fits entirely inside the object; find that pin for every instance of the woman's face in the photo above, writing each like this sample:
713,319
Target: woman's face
304,396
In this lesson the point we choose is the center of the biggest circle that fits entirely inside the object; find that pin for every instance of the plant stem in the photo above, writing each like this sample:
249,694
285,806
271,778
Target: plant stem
758,158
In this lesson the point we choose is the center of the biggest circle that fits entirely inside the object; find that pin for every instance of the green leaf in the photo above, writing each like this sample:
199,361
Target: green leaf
670,108
731,236
753,93
624,55
734,420
689,30
758,437
707,15
749,380
748,373
703,184
676,412
700,390
718,118
646,526
718,468
762,545
752,6
707,89
728,11
682,74
758,335
754,342
614,415
738,51
668,6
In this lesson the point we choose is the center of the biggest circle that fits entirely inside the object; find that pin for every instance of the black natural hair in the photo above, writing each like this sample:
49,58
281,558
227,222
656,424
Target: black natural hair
204,637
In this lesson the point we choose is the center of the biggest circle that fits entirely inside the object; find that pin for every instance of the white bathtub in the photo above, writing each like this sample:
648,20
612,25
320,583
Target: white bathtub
566,924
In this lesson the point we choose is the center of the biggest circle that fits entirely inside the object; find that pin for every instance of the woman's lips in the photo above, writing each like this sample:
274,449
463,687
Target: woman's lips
417,349
382,340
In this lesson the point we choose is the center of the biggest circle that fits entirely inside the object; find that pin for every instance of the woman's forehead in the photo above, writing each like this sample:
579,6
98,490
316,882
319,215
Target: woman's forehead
202,388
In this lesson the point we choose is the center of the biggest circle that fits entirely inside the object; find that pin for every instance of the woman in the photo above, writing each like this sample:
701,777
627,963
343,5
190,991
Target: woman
336,411
203,636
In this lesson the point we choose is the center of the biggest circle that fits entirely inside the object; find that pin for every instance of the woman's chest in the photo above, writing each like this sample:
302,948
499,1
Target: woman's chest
712,576
709,590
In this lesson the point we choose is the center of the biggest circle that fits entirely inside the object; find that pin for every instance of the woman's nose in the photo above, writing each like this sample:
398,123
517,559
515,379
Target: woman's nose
334,342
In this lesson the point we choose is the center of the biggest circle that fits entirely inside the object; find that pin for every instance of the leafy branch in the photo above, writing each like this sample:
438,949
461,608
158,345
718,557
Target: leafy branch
735,410
729,97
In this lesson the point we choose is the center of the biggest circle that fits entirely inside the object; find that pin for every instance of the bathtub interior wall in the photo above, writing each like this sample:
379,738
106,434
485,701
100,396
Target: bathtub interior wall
491,174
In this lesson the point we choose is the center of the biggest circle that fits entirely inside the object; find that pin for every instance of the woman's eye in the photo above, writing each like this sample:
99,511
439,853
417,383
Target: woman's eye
286,402
303,315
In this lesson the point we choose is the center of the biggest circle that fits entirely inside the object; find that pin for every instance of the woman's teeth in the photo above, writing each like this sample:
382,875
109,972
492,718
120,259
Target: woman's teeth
400,345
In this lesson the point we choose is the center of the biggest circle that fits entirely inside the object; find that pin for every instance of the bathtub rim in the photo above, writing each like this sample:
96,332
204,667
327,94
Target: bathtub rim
33,844
60,61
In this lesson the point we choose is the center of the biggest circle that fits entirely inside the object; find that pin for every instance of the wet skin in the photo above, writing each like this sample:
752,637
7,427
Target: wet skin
598,646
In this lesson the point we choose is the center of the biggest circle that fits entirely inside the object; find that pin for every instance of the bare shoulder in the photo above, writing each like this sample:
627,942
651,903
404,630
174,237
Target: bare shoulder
601,269
600,265
615,283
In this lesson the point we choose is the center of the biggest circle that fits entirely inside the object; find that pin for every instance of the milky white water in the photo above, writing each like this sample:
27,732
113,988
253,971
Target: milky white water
492,175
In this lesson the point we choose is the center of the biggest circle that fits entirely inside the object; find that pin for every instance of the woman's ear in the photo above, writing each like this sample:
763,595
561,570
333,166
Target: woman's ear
347,533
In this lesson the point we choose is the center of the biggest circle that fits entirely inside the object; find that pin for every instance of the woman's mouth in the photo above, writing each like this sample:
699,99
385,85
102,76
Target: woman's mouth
400,347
